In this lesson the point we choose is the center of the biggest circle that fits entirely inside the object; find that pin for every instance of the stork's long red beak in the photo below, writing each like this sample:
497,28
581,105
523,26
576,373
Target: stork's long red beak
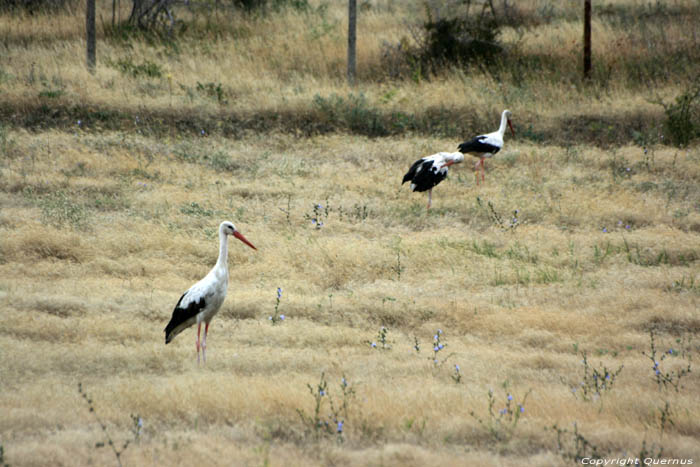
510,125
240,237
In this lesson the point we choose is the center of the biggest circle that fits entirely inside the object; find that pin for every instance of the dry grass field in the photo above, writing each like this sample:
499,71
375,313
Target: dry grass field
544,285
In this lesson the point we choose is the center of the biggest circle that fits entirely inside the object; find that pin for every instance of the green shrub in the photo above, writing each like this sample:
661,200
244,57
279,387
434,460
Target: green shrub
681,125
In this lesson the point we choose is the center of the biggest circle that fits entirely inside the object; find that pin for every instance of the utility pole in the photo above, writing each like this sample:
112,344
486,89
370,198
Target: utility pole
586,39
352,40
90,28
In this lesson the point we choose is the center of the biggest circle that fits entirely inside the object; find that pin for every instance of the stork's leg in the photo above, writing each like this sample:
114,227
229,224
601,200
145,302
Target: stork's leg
482,168
204,343
199,329
476,171
430,197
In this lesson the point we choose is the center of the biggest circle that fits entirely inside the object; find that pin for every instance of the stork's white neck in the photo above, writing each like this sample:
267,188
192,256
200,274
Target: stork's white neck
222,262
504,122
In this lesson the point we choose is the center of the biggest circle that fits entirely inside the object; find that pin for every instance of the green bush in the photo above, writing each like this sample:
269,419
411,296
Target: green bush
681,125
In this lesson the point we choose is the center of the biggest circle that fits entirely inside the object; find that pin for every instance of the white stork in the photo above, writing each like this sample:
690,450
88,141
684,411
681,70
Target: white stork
427,172
487,145
203,300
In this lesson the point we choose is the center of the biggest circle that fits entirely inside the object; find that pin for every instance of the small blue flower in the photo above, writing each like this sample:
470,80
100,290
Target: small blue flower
279,292
439,331
457,368
605,230
656,364
282,317
270,318
374,344
435,361
340,426
436,349
80,122
607,376
619,222
202,132
522,409
322,392
670,351
510,398
503,411
344,382
440,346
658,372
318,206
627,226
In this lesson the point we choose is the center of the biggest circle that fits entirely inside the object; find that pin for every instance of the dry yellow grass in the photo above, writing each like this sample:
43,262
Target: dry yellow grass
101,231
88,283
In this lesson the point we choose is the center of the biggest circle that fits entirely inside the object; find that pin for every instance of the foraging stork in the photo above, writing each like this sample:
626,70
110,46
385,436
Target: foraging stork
203,300
427,172
487,145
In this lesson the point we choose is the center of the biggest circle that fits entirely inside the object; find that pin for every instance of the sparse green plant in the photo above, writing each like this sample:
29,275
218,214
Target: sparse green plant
686,283
457,375
277,317
496,219
501,425
319,215
195,210
665,418
439,345
127,67
573,446
416,344
2,457
61,209
137,426
650,452
381,342
595,381
682,116
213,91
332,424
665,379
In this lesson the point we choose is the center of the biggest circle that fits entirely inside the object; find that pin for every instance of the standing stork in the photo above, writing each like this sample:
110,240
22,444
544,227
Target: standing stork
427,172
203,300
487,145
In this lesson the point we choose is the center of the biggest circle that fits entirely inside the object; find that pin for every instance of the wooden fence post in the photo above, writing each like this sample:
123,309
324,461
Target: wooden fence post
90,29
352,39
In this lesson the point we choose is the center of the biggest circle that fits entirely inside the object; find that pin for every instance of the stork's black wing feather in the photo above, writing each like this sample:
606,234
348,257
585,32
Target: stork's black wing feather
181,316
428,176
412,171
478,146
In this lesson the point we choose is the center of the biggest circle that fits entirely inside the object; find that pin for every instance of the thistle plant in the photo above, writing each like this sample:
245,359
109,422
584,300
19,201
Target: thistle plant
572,445
438,346
501,424
381,342
318,215
671,378
416,344
595,382
137,426
457,376
334,423
276,317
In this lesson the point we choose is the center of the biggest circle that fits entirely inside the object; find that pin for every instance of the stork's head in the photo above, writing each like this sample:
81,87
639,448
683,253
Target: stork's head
507,114
454,158
227,228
